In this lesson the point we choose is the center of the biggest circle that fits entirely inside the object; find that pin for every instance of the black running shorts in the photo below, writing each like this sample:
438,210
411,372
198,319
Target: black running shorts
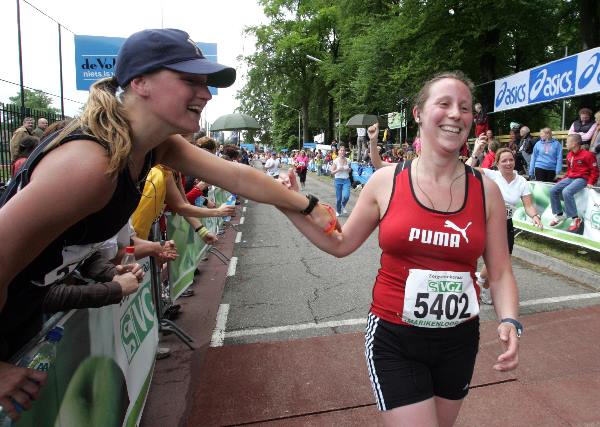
408,364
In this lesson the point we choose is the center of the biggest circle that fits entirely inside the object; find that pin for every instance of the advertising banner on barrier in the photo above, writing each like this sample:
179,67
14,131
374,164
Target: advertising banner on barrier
566,77
588,206
104,364
190,248
95,58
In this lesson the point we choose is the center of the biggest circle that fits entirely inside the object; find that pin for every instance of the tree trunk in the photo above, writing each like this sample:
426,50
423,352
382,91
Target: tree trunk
487,65
305,129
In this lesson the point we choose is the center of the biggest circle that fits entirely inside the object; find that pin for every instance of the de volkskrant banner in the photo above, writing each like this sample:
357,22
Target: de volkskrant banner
96,58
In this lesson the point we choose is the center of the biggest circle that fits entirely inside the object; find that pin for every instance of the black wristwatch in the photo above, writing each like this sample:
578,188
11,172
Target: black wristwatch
516,323
312,202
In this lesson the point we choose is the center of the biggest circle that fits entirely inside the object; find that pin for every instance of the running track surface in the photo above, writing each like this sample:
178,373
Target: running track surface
323,381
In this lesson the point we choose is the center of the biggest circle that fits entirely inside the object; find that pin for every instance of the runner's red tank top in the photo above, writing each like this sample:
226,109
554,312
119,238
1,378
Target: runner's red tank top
417,243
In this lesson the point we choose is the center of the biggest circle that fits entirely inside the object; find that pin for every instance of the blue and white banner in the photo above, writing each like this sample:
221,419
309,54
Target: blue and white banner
95,58
311,145
566,77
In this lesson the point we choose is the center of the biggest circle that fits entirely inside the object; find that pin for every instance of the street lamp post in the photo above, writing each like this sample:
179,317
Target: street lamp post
299,117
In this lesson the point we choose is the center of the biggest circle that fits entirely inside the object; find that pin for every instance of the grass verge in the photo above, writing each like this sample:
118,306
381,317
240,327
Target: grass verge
574,255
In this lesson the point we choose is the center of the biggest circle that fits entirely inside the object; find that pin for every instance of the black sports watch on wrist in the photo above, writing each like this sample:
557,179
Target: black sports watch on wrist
312,202
516,324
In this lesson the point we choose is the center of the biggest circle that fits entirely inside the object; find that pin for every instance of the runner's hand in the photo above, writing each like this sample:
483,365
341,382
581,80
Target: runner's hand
509,360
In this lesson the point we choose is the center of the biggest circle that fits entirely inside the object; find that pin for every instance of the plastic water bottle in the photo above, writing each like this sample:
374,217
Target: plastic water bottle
230,201
129,257
43,356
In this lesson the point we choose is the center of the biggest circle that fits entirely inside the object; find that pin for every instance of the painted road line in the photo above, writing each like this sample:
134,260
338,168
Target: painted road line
232,265
219,333
299,327
244,209
238,237
363,321
246,202
554,300
242,219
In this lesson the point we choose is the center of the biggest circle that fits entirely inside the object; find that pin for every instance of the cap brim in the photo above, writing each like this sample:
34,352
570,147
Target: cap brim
218,75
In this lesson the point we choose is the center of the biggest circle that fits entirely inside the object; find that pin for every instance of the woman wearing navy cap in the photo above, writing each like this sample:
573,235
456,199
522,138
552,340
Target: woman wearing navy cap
164,80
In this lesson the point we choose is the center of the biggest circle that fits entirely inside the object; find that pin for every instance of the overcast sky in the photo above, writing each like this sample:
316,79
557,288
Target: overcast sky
212,21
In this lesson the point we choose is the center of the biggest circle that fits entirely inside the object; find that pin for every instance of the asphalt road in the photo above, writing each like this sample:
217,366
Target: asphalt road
283,288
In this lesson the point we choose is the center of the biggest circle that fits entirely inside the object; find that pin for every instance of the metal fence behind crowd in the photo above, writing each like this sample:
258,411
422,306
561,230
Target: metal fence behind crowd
11,118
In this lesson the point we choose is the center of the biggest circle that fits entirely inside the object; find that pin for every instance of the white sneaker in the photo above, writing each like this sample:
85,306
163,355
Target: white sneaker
344,211
557,220
485,296
337,214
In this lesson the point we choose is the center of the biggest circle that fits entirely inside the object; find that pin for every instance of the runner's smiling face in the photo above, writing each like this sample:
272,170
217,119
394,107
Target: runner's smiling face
447,114
177,98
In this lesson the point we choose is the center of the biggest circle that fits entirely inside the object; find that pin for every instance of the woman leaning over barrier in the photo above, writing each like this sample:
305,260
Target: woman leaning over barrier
90,179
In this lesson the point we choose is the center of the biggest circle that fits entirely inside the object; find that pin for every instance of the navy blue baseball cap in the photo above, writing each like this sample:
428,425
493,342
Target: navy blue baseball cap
151,50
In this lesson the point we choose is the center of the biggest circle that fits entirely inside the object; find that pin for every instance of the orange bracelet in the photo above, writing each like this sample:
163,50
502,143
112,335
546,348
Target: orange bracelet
331,226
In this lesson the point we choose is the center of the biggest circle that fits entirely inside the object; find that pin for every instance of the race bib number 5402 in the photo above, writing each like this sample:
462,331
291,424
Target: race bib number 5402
439,299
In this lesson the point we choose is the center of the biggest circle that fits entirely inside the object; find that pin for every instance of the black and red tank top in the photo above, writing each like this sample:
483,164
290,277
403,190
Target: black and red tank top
429,257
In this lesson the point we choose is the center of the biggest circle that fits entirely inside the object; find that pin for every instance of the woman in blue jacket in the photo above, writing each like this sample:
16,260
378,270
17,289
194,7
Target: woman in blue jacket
547,157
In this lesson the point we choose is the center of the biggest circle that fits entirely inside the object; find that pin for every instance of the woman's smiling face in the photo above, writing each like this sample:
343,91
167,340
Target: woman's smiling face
446,117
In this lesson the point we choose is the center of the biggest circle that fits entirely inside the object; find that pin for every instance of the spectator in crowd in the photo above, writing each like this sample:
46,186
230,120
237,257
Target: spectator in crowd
489,160
272,165
160,188
208,144
595,141
375,156
526,148
25,130
513,140
435,217
42,125
546,158
584,126
582,171
231,153
110,148
514,188
341,171
26,146
244,158
301,165
480,119
319,163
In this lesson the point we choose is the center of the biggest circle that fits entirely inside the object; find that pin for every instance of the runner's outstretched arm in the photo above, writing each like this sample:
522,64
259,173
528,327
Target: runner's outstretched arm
361,223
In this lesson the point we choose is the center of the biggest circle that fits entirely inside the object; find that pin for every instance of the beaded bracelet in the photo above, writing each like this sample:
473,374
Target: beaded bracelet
331,226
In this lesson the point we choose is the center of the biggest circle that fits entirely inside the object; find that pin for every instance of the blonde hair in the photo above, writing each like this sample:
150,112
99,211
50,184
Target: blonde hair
104,118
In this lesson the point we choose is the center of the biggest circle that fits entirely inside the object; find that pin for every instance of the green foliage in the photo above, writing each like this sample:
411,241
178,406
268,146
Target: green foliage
35,99
375,54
